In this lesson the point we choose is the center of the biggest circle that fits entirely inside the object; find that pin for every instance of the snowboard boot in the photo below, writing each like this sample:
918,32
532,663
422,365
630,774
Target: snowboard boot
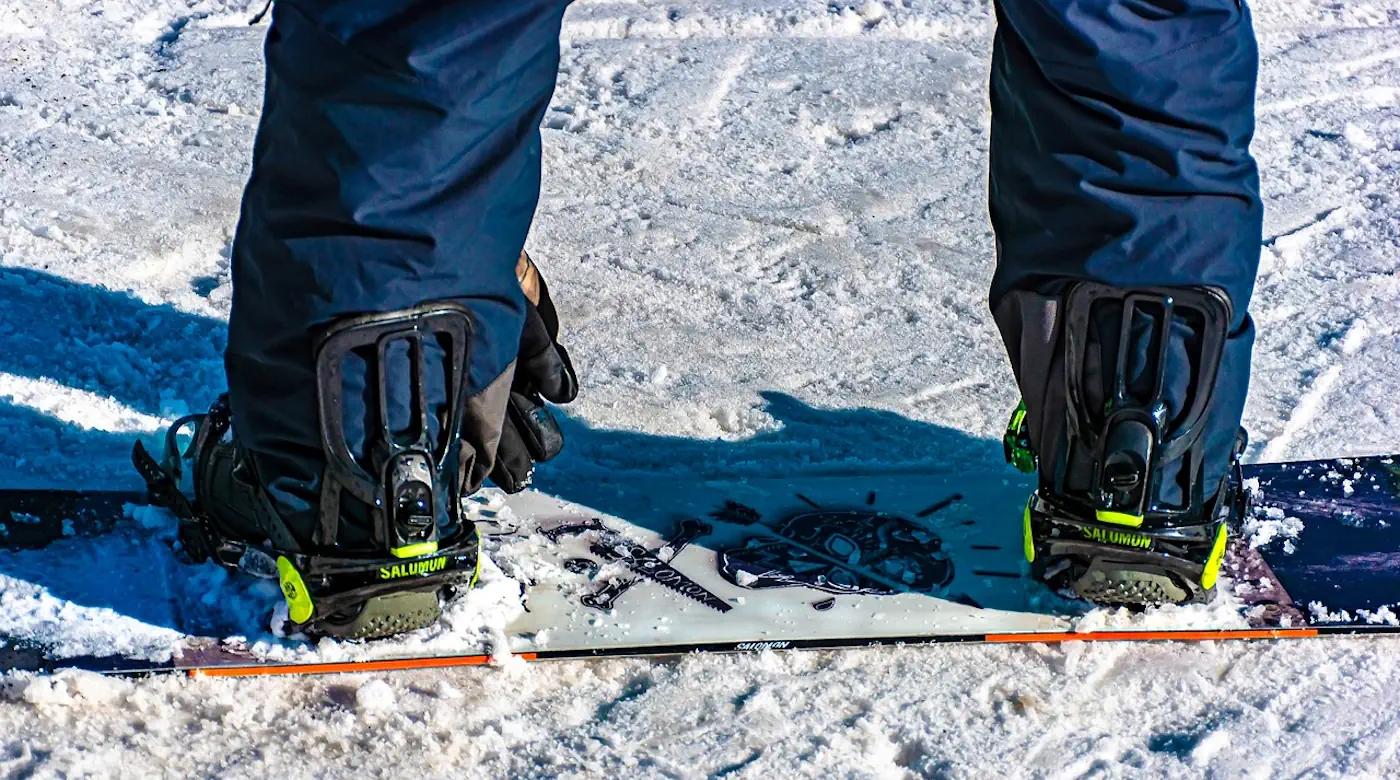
1127,511
390,543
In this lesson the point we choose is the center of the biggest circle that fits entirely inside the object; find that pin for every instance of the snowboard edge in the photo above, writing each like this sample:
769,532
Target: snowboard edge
436,662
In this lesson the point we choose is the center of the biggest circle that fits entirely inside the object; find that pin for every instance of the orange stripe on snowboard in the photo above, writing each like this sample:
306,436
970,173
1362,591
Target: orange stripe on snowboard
1157,636
351,666
1024,638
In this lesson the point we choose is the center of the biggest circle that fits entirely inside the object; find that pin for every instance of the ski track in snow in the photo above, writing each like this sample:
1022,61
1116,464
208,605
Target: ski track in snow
756,215
1303,414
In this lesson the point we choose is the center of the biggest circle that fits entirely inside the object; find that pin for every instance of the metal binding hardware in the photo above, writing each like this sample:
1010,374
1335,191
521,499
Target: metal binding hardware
403,485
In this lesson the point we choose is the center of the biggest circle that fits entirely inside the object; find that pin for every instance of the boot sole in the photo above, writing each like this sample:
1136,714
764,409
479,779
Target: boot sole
1107,585
384,616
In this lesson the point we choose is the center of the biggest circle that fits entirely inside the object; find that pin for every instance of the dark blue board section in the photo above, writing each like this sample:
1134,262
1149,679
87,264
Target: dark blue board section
31,519
1347,554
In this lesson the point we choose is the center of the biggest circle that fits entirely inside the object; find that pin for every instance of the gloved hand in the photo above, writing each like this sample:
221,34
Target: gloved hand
543,372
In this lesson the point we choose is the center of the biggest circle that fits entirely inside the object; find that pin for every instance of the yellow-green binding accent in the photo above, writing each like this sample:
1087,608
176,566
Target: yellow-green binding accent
1217,556
1016,442
1029,543
1118,518
414,550
476,575
299,607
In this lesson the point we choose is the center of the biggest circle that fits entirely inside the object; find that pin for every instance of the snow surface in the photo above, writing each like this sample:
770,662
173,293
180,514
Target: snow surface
758,216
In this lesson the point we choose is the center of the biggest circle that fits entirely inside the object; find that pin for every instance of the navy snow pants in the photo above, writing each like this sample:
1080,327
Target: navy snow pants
1120,154
398,161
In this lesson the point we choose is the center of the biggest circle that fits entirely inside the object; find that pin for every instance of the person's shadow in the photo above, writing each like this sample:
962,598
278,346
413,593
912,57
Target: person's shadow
869,498
158,361
104,360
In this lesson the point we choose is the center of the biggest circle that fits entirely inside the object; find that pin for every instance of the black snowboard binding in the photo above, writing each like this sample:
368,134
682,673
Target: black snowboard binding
1122,515
391,544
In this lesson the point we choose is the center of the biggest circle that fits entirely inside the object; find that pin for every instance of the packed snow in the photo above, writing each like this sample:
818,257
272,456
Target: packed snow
758,217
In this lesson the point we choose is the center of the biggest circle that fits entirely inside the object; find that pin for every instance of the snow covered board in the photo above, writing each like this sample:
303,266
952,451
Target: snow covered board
663,566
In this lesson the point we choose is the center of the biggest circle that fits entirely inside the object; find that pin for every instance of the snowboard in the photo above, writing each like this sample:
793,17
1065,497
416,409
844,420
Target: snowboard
665,564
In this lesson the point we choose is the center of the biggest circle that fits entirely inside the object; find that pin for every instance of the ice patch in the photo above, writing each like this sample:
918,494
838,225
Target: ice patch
375,696
445,690
1359,138
150,517
1209,747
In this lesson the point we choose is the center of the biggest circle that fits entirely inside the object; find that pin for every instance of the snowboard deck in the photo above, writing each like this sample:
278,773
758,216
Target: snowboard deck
650,565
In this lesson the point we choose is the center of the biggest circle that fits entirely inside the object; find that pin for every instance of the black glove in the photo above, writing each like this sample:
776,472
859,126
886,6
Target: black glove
543,372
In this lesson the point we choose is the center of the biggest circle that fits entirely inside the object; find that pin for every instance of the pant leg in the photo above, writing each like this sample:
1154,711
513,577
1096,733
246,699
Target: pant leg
1120,154
397,161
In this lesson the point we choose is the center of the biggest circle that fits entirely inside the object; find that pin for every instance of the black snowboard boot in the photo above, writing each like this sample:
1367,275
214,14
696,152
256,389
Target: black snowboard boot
1137,488
391,543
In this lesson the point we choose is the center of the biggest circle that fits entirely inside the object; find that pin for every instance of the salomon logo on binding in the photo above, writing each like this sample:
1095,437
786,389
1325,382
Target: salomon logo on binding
409,569
1118,537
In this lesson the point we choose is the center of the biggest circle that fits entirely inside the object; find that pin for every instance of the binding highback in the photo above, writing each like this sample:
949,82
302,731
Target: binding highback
406,474
1142,412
